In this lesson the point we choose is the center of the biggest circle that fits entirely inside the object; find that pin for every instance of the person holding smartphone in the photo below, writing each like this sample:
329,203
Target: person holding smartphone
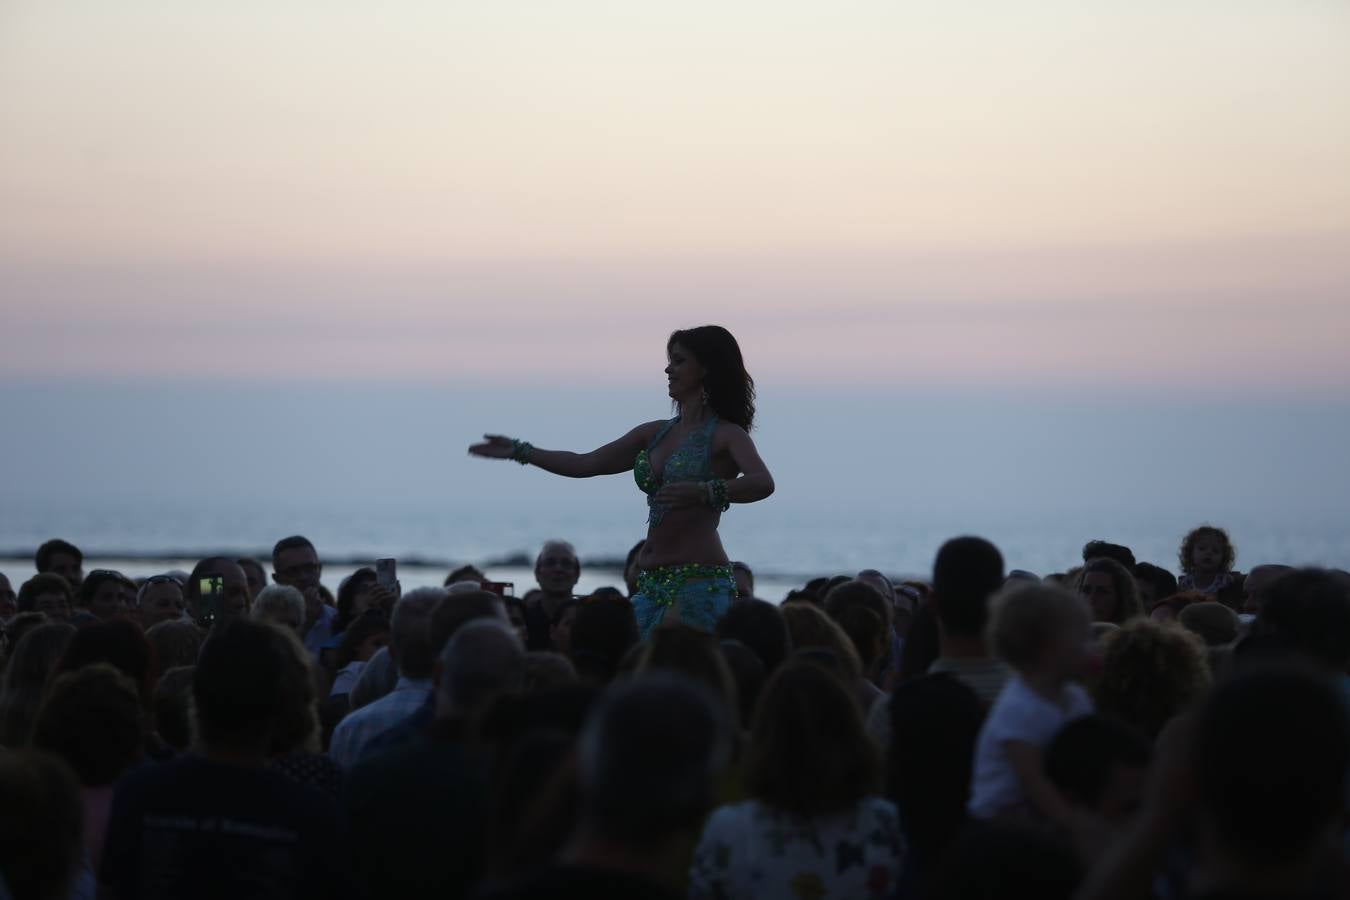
692,468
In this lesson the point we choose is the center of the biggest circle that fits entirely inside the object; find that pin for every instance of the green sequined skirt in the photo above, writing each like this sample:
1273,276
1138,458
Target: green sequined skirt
701,593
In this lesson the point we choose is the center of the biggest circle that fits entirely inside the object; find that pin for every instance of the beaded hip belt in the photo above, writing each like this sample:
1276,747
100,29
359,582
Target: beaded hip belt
664,584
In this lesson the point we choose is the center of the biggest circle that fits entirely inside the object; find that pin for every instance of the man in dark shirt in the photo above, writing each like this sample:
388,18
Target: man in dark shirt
220,824
557,569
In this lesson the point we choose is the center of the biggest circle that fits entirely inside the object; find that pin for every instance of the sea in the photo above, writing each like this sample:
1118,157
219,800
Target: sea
146,476
783,550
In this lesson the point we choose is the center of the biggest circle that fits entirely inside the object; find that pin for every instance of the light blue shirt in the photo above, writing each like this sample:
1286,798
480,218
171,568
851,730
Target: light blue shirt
360,727
321,631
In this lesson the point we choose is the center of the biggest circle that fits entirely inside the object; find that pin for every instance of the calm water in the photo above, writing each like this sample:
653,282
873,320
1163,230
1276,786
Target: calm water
783,550
866,477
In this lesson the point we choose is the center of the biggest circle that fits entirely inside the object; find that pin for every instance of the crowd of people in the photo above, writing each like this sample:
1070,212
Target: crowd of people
1114,730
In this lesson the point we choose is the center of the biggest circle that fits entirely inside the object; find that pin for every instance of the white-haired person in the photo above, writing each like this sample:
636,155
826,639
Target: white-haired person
411,650
281,605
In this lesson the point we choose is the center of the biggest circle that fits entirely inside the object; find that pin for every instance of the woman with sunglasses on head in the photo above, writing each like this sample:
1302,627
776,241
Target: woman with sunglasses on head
692,468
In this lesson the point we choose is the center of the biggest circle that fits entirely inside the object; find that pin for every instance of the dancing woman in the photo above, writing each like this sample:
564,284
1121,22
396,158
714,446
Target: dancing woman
692,468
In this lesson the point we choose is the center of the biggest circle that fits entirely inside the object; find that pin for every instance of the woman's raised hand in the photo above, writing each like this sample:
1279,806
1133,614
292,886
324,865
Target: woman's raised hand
493,446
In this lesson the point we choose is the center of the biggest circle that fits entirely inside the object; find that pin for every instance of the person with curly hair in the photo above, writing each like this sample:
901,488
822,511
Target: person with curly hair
692,468
1110,590
1207,556
1151,672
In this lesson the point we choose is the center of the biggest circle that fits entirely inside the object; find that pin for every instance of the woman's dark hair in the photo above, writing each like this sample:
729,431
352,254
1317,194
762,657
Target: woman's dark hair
31,667
362,628
92,720
603,631
347,591
694,654
235,687
1121,554
1206,530
808,751
1164,582
119,643
1128,604
760,626
731,390
175,644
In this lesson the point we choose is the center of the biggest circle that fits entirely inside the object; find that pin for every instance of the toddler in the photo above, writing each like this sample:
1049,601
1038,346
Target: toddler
1207,557
1044,634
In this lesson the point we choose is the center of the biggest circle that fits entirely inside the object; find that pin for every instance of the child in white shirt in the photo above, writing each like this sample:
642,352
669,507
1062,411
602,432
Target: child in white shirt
1044,634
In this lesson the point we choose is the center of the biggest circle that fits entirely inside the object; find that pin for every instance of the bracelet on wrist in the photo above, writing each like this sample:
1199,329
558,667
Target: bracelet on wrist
717,495
521,451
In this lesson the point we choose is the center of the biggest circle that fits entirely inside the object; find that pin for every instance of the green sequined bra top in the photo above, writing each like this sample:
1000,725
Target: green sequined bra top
690,461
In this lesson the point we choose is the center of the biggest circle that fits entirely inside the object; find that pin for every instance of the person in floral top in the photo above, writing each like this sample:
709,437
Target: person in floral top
814,828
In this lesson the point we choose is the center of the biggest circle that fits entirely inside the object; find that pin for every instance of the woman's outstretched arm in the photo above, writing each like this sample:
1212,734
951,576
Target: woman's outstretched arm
615,457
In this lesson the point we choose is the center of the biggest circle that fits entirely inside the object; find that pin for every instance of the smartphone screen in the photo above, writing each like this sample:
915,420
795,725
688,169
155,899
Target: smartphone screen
212,590
386,573
500,588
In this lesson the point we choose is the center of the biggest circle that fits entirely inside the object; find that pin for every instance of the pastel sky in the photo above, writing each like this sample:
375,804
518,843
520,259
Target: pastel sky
864,190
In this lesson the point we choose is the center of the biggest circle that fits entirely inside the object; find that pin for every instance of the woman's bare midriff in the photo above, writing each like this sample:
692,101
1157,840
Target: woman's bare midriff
684,536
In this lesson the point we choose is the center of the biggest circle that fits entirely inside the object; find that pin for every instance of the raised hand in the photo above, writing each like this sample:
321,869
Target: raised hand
493,446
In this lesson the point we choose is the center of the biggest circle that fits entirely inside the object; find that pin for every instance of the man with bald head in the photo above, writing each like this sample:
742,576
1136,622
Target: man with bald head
1259,580
557,570
234,586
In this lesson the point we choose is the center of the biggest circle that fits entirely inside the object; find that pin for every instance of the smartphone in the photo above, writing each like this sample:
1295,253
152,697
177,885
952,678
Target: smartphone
212,591
386,573
500,588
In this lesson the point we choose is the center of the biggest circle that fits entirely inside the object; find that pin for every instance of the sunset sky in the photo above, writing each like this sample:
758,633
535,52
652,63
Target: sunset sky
866,192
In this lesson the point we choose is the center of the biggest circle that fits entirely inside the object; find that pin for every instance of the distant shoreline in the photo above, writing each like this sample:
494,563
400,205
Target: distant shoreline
518,560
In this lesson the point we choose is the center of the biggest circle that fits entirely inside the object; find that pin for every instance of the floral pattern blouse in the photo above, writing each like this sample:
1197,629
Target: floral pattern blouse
750,850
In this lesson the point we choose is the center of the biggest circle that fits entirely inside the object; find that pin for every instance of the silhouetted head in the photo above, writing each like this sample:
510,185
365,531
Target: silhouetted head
1308,612
254,572
648,760
1105,549
1257,582
1154,583
1151,672
61,558
808,751
1111,591
1207,550
707,360
1281,797
967,572
604,630
557,568
233,602
296,562
93,720
47,593
758,625
1099,765
236,686
107,594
